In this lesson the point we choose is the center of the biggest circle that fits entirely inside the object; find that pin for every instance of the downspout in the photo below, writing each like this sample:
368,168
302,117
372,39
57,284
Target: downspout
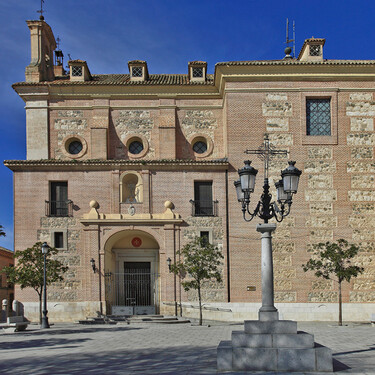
100,274
227,230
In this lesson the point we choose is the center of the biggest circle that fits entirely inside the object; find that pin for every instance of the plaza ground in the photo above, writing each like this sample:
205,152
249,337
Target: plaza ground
159,348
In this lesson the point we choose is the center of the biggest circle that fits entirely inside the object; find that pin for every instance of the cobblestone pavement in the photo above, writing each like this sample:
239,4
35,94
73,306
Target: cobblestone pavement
159,348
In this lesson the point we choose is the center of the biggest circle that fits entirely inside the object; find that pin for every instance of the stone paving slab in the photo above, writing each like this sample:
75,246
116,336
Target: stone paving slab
159,348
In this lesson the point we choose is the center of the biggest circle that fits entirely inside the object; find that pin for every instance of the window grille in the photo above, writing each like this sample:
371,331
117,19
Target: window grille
315,50
76,71
135,147
200,147
75,147
318,117
137,71
197,72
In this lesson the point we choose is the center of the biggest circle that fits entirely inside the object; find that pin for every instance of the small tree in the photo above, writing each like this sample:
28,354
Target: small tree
29,270
332,261
200,260
2,233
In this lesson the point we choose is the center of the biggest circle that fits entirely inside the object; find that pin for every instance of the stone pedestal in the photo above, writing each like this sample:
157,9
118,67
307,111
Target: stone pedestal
273,345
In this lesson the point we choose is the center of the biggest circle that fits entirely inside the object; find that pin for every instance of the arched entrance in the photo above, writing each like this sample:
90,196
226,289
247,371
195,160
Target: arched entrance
132,273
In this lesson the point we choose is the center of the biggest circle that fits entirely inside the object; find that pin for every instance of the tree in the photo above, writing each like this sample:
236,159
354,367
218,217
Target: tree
29,270
200,260
2,233
332,261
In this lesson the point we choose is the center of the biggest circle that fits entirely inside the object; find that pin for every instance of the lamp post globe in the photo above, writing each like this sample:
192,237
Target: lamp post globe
290,176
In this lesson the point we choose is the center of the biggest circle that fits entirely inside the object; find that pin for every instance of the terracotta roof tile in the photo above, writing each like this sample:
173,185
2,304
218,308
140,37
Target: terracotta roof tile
297,62
124,79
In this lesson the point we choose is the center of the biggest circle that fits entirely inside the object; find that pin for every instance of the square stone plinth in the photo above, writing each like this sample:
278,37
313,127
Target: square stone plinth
270,327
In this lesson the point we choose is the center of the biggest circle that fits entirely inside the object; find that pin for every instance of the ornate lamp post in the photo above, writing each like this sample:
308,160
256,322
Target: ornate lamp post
266,210
45,324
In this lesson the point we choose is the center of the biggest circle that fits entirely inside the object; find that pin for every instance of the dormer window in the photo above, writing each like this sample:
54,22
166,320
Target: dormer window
79,70
312,50
138,70
76,71
315,50
197,71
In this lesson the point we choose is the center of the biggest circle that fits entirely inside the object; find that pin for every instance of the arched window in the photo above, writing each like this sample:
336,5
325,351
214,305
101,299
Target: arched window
131,187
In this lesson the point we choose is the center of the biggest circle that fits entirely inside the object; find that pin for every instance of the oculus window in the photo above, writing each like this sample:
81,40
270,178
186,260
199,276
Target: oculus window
200,147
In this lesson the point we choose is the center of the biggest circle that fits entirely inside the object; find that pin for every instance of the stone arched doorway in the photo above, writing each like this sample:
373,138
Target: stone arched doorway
132,273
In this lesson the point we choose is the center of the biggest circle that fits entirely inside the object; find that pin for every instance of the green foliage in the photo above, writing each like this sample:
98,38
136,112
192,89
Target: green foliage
334,259
2,233
29,269
200,260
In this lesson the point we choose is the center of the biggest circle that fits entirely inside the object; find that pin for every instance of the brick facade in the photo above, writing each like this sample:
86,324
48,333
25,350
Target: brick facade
6,259
230,111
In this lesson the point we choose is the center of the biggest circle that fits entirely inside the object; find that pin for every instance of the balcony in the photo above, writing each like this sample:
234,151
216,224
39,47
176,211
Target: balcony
204,208
59,208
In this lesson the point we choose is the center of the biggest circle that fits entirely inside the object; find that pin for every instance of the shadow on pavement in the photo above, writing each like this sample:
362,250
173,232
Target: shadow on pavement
38,343
171,360
69,331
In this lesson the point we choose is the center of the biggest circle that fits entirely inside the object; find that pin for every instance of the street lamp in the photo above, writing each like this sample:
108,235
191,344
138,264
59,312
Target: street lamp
45,324
266,210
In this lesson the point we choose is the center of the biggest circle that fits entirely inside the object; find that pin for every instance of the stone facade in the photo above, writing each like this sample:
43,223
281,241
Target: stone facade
166,116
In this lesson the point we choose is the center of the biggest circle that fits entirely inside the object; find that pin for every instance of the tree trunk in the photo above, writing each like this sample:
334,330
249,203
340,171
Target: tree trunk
200,305
40,307
340,304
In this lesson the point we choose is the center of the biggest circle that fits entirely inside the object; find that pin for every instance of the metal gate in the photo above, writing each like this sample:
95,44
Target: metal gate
135,291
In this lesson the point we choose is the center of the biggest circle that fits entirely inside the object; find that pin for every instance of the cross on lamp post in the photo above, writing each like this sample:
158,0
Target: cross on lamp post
266,210
45,324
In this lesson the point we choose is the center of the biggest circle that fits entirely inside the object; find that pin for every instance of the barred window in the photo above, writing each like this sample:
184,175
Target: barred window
137,71
76,71
318,117
197,72
315,50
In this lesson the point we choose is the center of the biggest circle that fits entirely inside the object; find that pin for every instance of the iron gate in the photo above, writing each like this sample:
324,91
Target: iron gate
135,287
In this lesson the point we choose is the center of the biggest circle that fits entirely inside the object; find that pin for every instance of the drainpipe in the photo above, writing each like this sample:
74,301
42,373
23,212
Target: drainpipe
100,274
227,230
174,275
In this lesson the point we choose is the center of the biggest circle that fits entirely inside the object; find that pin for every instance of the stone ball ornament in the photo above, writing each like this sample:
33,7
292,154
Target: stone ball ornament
94,204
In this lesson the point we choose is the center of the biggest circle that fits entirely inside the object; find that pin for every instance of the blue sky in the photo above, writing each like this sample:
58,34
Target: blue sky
167,34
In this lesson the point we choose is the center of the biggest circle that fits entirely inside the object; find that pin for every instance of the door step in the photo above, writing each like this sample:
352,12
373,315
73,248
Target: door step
135,319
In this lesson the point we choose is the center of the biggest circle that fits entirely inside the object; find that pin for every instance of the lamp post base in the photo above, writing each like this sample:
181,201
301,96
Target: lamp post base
268,315
44,322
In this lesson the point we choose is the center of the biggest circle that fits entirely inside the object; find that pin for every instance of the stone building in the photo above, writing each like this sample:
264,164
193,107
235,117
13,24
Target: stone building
6,290
123,169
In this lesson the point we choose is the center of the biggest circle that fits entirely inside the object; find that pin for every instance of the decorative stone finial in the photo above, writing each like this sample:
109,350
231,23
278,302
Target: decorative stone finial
94,204
168,204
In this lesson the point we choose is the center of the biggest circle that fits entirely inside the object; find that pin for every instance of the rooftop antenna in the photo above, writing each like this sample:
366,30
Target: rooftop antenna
41,11
288,50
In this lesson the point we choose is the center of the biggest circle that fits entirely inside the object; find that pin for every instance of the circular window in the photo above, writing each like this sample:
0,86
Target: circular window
75,147
200,147
135,147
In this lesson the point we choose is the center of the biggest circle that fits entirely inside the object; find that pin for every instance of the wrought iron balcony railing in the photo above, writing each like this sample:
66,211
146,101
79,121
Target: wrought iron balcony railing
204,208
59,208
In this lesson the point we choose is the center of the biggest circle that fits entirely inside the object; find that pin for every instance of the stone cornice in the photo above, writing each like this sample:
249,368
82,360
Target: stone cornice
165,164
